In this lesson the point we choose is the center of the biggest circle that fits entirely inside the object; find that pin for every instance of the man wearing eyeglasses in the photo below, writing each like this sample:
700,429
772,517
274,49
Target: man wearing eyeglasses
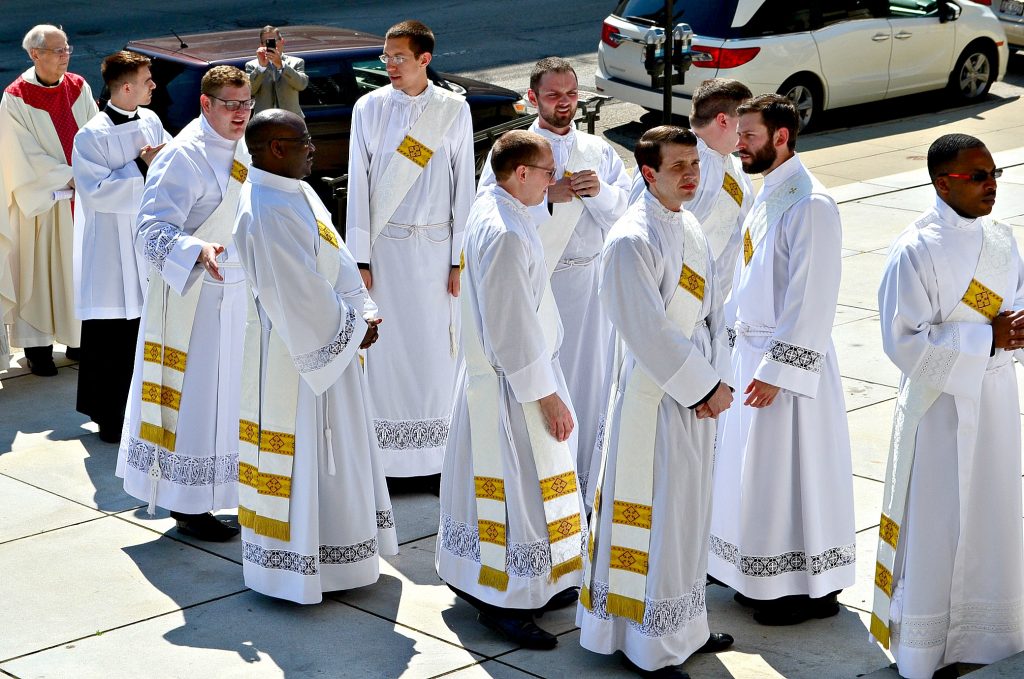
39,115
949,583
275,77
180,449
411,183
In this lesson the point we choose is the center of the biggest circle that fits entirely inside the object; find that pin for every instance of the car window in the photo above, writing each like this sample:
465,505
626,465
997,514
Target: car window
711,19
370,74
779,16
176,97
330,84
913,8
835,11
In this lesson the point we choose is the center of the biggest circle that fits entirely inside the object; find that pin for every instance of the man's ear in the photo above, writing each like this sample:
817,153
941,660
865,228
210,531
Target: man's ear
941,185
781,137
426,58
648,173
531,96
205,103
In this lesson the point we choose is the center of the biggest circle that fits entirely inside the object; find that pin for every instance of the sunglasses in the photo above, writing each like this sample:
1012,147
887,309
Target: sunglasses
978,176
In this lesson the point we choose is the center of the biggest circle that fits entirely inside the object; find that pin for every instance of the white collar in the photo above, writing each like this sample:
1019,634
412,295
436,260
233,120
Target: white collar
783,172
126,114
275,181
656,210
949,217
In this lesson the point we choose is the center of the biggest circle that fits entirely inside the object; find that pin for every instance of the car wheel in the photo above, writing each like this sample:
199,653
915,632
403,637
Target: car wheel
974,73
806,97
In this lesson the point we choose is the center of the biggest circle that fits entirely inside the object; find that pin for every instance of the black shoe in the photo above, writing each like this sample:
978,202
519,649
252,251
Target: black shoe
947,672
204,527
744,600
73,353
717,641
715,581
564,599
797,609
110,434
522,631
668,672
40,361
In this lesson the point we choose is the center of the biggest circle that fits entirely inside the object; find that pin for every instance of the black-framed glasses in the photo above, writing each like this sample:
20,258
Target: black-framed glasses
306,140
977,177
235,104
549,170
59,51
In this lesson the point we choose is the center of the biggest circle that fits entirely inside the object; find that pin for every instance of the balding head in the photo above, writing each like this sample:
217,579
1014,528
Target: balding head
277,140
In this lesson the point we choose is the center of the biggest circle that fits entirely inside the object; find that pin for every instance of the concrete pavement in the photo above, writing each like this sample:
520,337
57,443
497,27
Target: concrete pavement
92,587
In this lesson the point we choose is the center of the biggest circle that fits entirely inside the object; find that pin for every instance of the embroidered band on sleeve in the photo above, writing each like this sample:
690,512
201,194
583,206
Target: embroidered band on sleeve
159,243
318,358
798,357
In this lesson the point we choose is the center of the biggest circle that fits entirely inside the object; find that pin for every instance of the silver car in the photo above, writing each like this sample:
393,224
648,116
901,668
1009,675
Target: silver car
1011,14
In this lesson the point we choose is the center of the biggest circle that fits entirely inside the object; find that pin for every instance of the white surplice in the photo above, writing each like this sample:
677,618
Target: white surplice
959,577
641,268
340,514
37,128
584,352
109,276
505,277
184,186
782,521
411,369
713,168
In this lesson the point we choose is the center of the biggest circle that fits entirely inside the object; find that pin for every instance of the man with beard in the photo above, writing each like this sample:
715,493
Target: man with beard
588,198
411,178
510,540
949,580
111,158
39,115
659,289
782,531
180,449
725,192
330,515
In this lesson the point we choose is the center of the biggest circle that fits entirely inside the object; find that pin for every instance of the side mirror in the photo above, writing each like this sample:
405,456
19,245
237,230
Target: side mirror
948,11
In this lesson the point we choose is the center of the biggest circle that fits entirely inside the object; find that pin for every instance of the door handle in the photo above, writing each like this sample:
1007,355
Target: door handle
903,35
880,37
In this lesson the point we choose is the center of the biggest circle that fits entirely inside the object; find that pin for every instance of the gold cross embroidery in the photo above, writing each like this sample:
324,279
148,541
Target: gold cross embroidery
415,151
982,299
748,247
692,282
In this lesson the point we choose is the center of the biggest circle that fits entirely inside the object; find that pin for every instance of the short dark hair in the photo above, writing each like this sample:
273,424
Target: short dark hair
515,148
946,149
714,96
269,29
120,66
777,112
549,65
421,38
219,77
648,149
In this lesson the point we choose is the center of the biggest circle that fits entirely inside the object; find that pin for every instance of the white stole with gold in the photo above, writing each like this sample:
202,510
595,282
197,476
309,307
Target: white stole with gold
981,303
632,506
266,428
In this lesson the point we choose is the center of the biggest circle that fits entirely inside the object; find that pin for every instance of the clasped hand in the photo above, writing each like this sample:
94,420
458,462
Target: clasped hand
1008,330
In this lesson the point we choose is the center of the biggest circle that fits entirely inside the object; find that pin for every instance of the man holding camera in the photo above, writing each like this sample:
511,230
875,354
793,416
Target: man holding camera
276,79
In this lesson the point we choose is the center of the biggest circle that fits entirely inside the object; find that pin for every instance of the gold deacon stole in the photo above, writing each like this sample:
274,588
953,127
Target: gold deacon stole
553,459
555,232
266,428
721,223
168,331
762,218
411,157
979,304
632,506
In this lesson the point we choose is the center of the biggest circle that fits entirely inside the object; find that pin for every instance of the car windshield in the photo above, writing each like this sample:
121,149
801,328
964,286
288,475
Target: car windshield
713,19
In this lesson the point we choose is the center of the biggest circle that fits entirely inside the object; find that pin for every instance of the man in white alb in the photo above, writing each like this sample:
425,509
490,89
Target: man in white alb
725,192
511,534
411,185
111,158
949,578
643,589
180,448
39,115
581,207
782,532
313,500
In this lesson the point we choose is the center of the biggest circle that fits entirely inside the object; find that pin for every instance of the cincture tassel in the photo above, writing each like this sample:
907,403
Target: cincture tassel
331,470
154,481
452,337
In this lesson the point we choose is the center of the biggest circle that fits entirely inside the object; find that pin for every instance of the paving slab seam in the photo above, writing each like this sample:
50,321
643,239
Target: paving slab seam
871,405
51,530
124,626
8,674
47,490
172,537
412,540
482,655
893,190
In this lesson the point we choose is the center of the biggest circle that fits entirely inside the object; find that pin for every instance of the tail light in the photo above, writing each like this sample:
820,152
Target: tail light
987,3
724,57
610,35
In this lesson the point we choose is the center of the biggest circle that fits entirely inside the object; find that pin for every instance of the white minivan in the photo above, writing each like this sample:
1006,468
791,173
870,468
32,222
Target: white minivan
822,54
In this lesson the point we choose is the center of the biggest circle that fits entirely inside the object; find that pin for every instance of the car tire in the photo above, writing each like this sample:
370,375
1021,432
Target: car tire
805,93
974,73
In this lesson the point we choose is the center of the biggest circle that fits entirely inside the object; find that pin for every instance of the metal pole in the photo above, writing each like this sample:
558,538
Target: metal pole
669,67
